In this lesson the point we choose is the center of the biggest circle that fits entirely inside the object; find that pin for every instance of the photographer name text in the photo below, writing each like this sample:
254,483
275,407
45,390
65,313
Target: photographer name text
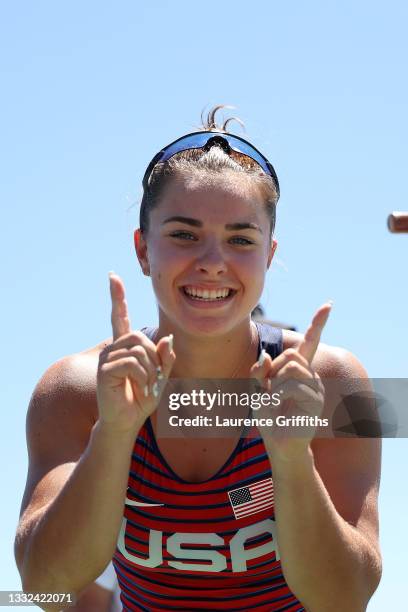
218,421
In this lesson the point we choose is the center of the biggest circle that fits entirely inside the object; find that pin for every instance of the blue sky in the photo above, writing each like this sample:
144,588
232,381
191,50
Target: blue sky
92,90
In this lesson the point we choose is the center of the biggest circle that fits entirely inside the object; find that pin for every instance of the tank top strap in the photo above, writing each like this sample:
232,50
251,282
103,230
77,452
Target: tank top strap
271,339
149,332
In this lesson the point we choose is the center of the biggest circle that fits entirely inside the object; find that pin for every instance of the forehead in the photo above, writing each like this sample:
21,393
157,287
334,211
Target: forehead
213,199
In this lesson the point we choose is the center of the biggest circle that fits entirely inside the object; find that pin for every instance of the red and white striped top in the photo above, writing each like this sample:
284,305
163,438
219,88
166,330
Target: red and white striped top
201,546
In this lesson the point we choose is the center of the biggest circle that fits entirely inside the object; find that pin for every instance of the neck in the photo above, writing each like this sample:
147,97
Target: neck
230,355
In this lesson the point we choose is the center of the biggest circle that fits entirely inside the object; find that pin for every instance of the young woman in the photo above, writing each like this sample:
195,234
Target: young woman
262,522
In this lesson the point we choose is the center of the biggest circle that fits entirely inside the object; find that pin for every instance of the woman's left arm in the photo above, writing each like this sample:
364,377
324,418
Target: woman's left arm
326,510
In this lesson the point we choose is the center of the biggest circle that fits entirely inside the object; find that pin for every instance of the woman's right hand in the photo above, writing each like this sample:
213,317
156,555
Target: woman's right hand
129,383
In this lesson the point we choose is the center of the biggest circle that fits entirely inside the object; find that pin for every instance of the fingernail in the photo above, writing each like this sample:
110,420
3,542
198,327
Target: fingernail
331,302
261,357
159,372
146,391
155,389
170,342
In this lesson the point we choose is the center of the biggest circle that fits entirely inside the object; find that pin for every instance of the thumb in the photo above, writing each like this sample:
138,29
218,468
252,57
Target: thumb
166,354
262,367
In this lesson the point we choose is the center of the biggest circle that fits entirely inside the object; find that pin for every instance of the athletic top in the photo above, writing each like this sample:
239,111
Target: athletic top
204,546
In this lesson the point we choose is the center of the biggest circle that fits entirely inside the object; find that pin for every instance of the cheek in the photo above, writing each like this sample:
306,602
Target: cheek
158,253
254,264
253,270
166,264
166,259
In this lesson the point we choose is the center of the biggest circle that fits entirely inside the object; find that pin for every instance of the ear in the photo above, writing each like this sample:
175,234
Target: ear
141,251
272,250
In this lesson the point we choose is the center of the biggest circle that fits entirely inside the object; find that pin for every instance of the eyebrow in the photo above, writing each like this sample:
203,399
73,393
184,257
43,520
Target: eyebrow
197,223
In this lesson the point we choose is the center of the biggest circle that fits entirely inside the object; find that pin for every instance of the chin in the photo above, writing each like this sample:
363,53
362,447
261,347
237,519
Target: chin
205,327
203,322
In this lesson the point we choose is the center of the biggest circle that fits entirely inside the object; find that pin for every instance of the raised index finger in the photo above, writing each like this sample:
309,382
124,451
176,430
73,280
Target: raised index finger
310,342
120,316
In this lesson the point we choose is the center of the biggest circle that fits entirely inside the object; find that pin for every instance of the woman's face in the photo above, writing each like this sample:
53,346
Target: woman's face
207,250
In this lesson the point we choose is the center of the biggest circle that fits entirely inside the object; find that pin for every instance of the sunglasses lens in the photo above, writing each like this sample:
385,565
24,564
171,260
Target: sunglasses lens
194,141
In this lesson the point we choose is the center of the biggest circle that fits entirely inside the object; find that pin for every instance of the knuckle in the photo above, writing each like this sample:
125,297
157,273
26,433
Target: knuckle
103,370
138,336
291,352
301,359
292,368
318,381
105,352
133,337
130,361
139,351
135,367
112,356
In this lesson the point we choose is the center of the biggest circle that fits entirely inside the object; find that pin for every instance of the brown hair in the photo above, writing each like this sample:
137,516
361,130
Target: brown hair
215,160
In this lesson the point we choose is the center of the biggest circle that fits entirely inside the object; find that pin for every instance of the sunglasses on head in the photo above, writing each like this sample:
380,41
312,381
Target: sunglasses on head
205,140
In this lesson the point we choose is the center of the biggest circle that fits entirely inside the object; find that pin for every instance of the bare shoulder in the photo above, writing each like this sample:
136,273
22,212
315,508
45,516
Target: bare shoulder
60,417
69,384
348,390
330,361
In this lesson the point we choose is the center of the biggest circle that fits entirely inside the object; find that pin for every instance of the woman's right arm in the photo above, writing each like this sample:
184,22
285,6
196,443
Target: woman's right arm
73,502
78,470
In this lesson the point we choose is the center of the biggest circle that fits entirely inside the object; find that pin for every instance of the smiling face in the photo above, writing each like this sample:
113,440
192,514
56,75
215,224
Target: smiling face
207,250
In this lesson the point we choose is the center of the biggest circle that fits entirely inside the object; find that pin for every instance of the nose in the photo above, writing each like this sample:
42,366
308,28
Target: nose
212,261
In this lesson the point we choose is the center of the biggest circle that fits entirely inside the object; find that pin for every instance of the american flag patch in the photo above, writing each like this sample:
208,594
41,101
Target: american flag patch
252,499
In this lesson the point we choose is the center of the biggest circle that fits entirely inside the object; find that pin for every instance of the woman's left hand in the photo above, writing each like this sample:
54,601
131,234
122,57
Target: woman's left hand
300,388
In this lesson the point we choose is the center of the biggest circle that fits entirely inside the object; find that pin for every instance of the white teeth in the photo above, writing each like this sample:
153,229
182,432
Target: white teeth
207,294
